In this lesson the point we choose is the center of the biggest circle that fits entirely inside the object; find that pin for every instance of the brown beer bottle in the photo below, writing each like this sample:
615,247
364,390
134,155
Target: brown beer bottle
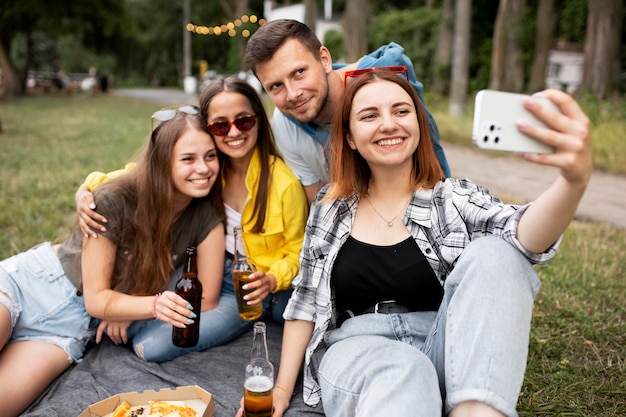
259,382
190,288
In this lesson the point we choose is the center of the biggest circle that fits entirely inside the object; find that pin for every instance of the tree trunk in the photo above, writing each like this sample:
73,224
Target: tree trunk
234,9
460,60
602,67
355,29
546,22
507,71
443,53
11,85
310,14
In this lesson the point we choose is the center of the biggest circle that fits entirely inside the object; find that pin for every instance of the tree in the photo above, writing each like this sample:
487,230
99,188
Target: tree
234,9
102,25
11,84
602,68
546,22
443,51
310,14
355,28
507,71
460,60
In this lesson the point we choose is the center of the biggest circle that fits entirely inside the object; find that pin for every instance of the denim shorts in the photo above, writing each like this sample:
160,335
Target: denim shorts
43,303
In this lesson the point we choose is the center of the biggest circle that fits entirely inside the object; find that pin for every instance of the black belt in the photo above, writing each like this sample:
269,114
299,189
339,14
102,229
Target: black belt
382,307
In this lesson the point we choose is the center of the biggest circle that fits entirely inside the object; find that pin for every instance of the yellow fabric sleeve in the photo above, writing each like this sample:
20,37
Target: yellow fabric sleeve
97,177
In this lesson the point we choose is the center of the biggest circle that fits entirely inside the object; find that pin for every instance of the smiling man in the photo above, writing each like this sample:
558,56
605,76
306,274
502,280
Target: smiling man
298,74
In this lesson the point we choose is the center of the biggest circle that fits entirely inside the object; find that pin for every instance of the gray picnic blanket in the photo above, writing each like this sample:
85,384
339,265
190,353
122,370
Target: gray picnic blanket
108,369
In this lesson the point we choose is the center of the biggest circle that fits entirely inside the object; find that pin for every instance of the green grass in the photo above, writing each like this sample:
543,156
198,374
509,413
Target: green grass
577,359
49,145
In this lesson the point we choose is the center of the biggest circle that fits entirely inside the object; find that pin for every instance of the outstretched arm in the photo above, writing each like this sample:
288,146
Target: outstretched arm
550,214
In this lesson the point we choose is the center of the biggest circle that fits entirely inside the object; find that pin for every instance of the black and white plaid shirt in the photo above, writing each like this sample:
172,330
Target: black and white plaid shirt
442,220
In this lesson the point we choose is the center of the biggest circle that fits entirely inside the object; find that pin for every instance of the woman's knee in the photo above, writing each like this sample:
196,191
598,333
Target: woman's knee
494,263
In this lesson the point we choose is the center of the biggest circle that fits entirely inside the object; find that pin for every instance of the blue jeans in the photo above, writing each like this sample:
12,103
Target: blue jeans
425,363
152,339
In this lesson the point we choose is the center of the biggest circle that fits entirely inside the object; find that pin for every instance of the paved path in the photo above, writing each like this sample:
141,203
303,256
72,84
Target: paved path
504,175
512,177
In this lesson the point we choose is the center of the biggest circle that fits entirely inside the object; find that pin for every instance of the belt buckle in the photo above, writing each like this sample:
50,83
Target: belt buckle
382,302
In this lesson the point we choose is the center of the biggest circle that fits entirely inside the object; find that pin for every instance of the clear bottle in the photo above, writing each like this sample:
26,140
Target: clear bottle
259,382
190,288
241,270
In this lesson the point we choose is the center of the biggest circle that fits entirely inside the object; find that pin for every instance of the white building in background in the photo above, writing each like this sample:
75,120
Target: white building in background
296,12
565,68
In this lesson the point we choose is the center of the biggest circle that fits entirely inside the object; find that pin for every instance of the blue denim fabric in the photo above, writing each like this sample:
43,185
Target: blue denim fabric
217,326
425,363
152,339
43,303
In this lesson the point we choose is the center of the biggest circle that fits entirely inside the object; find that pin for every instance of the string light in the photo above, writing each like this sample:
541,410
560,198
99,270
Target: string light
229,28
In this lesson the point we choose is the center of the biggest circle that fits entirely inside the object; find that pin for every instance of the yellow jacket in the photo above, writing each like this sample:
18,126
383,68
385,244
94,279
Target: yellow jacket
276,250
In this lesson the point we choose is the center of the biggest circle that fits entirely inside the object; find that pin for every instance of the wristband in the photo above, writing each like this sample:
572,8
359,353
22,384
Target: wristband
154,313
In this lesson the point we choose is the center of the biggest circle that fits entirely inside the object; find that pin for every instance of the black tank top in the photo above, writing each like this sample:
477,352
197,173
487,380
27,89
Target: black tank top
364,274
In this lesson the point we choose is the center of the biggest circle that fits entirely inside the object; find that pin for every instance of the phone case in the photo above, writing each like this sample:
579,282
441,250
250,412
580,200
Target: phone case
495,115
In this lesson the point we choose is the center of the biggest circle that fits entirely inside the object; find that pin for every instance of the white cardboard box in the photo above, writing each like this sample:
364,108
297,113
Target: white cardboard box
194,396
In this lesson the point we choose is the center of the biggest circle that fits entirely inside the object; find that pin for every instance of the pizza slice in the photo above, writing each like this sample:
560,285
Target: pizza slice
126,410
171,409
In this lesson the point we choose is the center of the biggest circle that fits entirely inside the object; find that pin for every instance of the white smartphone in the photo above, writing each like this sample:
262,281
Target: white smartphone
495,115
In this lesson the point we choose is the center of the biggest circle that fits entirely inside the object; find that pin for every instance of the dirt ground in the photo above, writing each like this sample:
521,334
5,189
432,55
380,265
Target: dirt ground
506,176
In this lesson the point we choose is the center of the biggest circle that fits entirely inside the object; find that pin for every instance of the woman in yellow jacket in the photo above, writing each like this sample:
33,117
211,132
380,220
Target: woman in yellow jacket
260,194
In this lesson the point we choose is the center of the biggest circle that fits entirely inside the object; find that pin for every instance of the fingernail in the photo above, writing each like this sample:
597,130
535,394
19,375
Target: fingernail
189,321
95,236
92,206
182,326
103,229
193,315
189,307
97,341
86,236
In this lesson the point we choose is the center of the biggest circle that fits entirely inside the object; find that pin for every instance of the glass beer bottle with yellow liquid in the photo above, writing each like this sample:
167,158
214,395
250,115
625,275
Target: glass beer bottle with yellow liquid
259,382
241,270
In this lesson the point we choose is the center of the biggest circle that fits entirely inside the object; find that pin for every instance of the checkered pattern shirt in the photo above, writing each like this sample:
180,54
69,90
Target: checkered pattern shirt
442,221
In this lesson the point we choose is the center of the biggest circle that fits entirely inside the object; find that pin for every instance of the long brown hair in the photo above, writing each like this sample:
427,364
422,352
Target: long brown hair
149,188
265,144
349,171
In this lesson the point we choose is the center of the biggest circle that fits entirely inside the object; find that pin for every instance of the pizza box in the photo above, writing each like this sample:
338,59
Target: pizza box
195,397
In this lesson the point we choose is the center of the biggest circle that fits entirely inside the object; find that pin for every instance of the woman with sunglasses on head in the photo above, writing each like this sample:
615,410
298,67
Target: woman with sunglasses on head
415,293
170,201
260,194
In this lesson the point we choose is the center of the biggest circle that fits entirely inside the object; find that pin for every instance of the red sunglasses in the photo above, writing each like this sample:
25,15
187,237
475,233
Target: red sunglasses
242,123
400,69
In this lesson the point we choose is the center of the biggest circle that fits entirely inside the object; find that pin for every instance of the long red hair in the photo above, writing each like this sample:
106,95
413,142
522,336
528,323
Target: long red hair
349,171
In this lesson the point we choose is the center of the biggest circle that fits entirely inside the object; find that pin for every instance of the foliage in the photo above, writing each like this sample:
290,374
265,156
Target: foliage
34,27
573,21
414,29
335,42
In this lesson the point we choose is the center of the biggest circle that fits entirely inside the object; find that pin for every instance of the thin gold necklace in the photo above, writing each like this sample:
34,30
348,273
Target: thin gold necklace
389,222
